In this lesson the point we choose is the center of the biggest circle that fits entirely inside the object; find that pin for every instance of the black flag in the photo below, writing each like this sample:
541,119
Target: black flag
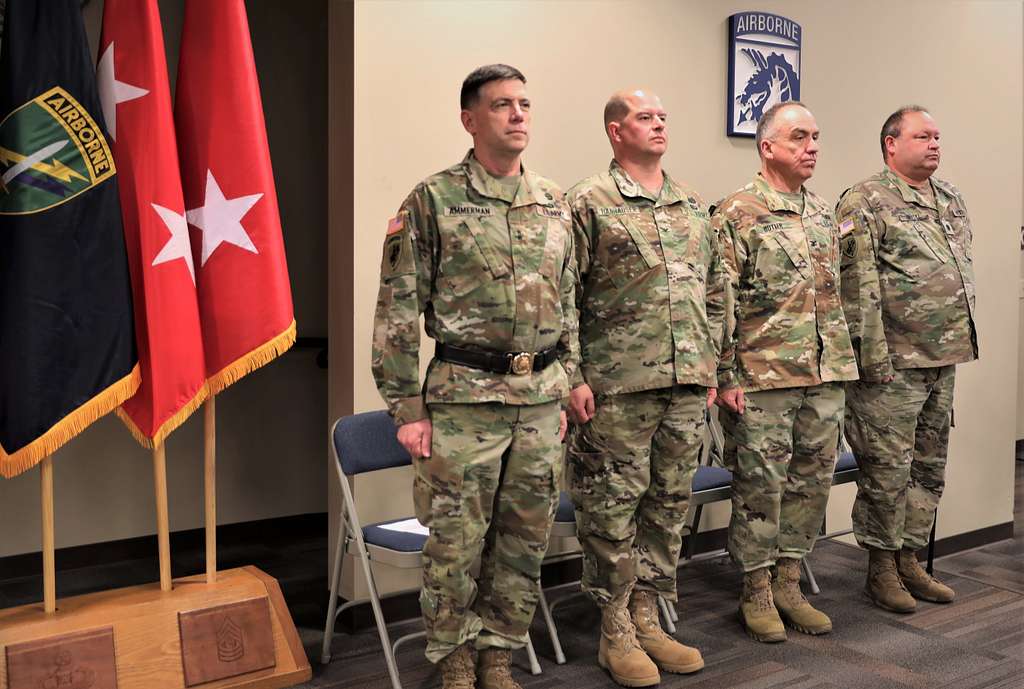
67,348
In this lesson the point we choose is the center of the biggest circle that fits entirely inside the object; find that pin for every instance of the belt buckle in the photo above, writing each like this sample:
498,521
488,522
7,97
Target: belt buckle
521,363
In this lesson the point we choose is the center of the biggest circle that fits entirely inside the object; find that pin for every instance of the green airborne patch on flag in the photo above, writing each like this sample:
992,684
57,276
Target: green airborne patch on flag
53,151
67,338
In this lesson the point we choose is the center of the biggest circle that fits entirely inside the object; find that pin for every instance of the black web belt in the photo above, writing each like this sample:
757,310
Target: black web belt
516,363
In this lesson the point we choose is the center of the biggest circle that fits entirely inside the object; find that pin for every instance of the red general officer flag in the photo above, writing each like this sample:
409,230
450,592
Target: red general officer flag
134,91
245,301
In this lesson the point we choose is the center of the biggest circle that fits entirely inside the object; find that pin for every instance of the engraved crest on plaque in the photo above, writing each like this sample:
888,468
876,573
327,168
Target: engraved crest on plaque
230,641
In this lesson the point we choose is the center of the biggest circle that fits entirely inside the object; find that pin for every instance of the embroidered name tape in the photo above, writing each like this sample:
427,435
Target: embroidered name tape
618,210
468,209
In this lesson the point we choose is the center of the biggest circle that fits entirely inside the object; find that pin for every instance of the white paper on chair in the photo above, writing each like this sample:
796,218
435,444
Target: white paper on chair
407,526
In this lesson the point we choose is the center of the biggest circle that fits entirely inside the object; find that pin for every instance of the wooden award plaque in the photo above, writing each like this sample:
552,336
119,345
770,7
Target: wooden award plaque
225,640
142,632
82,660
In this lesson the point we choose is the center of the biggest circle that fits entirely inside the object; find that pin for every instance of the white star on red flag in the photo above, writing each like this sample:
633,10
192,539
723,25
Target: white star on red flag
220,219
113,91
178,245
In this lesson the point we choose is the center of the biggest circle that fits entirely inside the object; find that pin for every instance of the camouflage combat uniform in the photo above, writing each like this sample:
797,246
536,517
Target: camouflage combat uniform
787,346
908,293
651,303
491,267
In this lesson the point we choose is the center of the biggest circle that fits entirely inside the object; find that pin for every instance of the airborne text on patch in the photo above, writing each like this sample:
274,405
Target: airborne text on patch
618,210
83,129
467,209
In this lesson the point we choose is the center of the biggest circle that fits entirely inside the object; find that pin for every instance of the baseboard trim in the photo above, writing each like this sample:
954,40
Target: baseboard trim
143,547
972,539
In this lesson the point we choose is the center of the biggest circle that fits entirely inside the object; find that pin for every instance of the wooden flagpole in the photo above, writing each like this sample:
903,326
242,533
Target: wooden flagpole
210,483
162,521
49,569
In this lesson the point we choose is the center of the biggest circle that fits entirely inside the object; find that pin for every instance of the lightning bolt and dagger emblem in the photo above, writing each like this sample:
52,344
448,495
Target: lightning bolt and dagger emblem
20,163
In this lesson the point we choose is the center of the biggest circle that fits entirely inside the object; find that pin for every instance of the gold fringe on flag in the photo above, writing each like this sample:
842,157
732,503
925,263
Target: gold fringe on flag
168,426
70,426
247,363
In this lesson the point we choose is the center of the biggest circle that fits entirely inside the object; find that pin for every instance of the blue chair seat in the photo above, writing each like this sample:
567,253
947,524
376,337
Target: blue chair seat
565,512
402,541
710,477
846,462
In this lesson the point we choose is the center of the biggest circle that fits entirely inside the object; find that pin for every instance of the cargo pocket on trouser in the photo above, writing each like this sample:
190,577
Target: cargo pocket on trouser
439,504
727,421
448,586
587,472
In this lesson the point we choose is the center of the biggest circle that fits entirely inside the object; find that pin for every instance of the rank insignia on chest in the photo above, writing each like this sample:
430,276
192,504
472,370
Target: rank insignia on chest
468,209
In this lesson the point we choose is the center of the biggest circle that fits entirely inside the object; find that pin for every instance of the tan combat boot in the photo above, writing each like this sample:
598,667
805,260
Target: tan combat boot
884,586
494,669
757,610
619,652
790,602
458,668
919,583
669,654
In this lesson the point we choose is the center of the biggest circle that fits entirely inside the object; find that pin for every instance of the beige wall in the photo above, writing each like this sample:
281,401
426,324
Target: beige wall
860,61
270,424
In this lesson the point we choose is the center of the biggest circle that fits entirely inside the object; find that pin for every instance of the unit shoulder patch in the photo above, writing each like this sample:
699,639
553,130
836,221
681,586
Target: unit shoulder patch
51,150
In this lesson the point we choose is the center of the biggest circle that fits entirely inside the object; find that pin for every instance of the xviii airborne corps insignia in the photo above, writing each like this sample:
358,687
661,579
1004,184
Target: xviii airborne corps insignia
51,150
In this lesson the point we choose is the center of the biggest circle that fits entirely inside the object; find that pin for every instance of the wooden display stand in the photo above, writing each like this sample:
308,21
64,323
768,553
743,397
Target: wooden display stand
236,632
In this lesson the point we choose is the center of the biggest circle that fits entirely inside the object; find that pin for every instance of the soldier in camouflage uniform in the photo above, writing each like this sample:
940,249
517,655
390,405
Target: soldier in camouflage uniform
484,251
651,303
908,292
786,350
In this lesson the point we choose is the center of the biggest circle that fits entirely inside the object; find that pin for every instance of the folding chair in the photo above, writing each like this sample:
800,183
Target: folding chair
364,443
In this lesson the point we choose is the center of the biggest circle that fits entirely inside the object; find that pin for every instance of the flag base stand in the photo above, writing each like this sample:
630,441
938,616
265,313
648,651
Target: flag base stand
236,632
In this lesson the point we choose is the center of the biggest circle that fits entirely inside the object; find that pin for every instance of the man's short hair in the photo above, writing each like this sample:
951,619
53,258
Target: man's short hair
893,125
766,125
471,85
615,110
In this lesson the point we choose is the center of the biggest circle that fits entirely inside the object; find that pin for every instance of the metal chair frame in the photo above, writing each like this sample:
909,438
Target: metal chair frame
350,540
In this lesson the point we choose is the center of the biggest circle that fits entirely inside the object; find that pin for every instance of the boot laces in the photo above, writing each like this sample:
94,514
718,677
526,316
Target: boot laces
457,669
886,571
909,567
501,668
625,630
646,618
763,599
758,590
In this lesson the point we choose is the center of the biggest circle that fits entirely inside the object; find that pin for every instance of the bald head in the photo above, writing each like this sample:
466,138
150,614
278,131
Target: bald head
617,107
635,123
621,102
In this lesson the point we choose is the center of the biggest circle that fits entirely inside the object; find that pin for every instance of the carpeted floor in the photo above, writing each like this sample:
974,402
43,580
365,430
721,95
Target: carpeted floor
976,642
